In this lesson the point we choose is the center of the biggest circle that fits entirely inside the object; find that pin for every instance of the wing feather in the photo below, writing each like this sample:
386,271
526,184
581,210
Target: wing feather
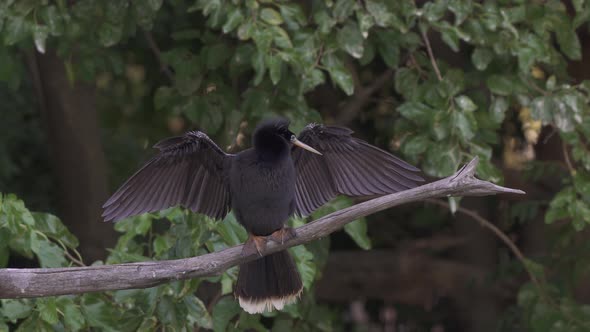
189,170
347,166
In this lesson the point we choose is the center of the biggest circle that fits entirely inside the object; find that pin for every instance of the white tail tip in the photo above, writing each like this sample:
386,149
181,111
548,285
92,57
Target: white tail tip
256,306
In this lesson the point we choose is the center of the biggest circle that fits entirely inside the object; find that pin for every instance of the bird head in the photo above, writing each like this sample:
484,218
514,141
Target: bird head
268,131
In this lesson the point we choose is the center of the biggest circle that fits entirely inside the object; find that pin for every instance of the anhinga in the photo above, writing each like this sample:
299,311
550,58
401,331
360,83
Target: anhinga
264,185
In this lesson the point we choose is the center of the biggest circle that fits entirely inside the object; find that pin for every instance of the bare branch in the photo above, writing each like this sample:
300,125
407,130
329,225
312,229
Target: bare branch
431,55
499,234
21,283
156,50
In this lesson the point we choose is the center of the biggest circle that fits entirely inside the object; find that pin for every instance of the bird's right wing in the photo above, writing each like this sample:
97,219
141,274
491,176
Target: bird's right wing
347,166
189,171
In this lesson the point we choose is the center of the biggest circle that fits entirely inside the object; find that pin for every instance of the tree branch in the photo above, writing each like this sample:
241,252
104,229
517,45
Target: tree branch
431,55
22,283
156,50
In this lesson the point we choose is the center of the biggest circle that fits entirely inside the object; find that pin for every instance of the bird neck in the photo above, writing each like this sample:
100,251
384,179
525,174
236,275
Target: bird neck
270,147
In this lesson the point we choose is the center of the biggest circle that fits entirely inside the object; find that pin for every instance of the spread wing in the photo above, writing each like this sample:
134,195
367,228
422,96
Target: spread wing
347,166
189,171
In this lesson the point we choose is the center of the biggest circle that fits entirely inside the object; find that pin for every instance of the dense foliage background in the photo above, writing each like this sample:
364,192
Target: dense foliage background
87,86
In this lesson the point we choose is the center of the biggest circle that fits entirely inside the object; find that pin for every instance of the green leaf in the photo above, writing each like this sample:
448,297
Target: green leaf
415,145
170,313
293,14
351,40
109,34
434,10
245,30
73,318
406,82
418,113
558,208
343,9
465,103
568,42
281,38
14,310
358,232
259,65
384,16
442,159
271,16
223,312
53,19
99,313
466,124
388,48
365,21
48,310
40,33
338,73
542,108
275,65
161,245
498,109
16,30
501,85
231,231
234,18
49,254
461,9
197,311
451,38
481,58
51,226
305,264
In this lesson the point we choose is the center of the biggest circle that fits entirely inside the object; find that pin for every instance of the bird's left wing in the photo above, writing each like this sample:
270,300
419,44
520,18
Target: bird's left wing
189,170
347,166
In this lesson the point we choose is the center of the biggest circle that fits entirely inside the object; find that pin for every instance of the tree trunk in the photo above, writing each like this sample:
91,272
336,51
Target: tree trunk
69,110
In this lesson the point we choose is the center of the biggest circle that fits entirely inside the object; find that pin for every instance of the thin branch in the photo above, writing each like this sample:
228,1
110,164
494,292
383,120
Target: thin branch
431,55
566,156
23,283
156,50
499,234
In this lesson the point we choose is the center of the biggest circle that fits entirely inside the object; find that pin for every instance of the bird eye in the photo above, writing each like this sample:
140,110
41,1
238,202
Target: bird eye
293,138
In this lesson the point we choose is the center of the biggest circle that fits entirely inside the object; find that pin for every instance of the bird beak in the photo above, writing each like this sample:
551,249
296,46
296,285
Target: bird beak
302,145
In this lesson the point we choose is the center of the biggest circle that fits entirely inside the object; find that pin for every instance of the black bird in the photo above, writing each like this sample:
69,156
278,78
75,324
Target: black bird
264,185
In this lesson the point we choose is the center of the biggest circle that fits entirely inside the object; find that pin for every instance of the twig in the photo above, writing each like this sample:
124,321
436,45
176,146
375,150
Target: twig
431,55
156,50
74,259
566,156
503,237
26,283
519,255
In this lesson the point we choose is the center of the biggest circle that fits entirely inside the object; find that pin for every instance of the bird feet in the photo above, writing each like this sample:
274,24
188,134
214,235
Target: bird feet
254,244
283,234
257,244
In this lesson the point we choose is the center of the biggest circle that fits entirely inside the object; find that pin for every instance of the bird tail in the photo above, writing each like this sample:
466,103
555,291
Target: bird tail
268,283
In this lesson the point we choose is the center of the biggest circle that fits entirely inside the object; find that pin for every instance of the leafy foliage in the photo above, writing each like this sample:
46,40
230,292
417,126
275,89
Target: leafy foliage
222,65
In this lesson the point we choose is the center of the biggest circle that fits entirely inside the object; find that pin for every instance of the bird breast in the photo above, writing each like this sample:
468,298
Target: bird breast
262,193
